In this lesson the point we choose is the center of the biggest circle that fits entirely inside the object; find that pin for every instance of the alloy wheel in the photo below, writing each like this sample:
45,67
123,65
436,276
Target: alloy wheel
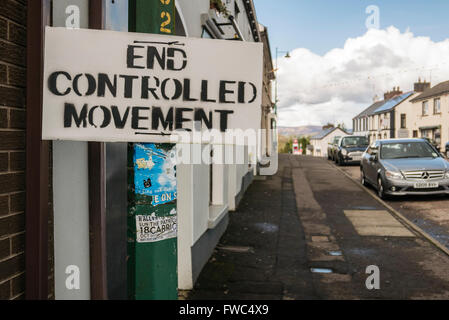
362,177
380,188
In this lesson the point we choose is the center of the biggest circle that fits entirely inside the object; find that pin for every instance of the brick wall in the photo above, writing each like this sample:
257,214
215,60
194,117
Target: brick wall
13,16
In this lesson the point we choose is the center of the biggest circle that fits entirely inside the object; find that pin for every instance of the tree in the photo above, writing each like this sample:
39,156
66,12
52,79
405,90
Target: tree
288,146
304,142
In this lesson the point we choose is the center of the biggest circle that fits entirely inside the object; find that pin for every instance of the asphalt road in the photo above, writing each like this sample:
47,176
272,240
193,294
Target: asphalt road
312,216
430,213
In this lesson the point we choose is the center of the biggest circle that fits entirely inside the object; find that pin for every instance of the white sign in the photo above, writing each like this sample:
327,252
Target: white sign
130,87
154,229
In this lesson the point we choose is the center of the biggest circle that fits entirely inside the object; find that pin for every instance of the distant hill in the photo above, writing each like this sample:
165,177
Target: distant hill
299,131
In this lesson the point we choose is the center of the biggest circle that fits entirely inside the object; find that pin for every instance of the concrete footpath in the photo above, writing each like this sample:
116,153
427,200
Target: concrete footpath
310,215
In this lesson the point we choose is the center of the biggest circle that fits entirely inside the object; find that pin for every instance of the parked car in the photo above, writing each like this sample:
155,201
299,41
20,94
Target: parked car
433,143
405,167
350,149
332,148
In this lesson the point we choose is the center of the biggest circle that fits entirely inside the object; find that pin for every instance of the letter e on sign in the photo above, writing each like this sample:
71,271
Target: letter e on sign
73,17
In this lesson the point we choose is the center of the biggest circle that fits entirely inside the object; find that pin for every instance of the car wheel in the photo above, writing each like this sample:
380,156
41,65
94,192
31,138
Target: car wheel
363,178
381,189
340,161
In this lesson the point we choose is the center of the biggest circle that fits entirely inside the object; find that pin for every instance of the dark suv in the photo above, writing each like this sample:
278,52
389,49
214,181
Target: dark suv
350,149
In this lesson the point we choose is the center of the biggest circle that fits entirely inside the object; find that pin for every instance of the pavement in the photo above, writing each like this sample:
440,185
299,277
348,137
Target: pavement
311,215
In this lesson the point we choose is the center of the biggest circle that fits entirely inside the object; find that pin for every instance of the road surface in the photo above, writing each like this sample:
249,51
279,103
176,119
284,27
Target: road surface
430,213
312,216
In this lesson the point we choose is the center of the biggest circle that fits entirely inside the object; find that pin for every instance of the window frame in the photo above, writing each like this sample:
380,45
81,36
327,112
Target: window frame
403,121
425,103
435,104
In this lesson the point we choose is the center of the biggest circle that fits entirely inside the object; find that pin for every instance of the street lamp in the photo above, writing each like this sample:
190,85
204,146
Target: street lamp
276,75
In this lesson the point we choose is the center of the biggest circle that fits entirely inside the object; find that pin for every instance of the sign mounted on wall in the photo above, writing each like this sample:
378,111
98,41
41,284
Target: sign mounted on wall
129,87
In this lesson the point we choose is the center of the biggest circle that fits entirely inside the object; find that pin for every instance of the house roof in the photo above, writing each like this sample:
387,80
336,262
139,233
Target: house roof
370,110
325,133
390,104
438,90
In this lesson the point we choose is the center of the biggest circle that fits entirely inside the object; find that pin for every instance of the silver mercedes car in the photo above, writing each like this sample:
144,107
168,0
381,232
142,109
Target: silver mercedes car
404,167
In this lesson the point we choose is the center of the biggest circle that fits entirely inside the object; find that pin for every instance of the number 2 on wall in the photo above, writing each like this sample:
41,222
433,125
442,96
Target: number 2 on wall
164,24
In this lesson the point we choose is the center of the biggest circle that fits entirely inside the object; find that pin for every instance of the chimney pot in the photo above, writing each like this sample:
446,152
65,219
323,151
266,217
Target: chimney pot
421,86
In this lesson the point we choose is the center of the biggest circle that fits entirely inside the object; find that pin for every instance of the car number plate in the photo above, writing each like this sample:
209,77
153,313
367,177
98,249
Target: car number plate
357,158
426,185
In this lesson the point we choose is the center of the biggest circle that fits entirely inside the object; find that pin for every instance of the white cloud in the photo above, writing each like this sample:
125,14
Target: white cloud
314,89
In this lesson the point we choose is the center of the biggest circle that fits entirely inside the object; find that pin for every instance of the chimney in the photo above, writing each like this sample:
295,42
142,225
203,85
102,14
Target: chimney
328,126
421,86
391,94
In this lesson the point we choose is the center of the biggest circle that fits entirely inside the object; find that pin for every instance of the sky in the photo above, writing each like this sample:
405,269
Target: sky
338,64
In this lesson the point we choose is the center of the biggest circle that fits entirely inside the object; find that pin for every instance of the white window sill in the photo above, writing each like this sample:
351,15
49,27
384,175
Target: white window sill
216,214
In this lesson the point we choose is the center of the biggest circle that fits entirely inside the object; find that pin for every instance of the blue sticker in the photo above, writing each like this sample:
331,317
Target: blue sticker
155,172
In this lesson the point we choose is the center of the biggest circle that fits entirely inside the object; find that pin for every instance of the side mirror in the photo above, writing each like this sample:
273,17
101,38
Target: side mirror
373,158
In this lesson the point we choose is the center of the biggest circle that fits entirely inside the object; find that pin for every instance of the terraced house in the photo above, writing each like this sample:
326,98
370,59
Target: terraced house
430,117
421,113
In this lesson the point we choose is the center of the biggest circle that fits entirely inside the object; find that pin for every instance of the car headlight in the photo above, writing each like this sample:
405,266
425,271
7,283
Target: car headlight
394,175
446,175
344,152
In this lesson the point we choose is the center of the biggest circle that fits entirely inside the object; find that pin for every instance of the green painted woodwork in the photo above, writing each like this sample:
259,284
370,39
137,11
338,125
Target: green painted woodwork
152,267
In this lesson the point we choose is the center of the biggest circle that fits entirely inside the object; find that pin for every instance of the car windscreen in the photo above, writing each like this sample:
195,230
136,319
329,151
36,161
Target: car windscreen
402,150
354,142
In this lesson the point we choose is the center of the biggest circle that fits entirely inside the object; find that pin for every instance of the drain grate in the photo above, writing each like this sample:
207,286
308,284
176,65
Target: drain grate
321,270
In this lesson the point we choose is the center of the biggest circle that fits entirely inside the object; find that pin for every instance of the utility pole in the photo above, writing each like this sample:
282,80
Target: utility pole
287,55
152,214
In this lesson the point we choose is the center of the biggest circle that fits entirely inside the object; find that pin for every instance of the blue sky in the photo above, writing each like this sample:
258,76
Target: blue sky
321,25
338,65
